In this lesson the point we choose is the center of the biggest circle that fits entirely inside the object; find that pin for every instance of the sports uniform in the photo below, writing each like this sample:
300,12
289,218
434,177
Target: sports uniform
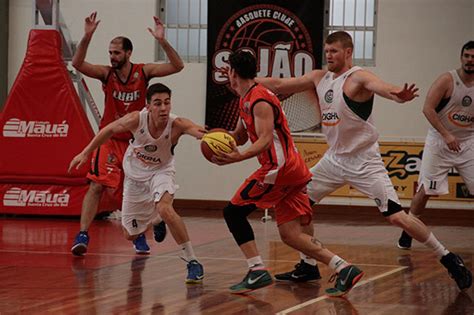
280,181
353,156
456,113
121,98
149,170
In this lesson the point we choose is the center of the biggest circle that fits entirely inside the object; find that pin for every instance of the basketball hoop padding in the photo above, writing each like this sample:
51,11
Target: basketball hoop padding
43,127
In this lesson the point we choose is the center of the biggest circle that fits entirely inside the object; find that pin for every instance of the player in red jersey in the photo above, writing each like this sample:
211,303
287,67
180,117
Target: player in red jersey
124,84
279,182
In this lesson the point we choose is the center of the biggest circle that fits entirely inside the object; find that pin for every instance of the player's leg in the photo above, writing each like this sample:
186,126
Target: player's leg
377,185
90,205
326,178
433,180
164,189
294,212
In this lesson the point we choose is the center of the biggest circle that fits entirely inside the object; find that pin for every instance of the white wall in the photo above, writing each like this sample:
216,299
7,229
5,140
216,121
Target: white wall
416,41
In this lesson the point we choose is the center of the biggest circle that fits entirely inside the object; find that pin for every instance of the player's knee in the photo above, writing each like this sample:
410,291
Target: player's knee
96,188
395,214
167,213
236,220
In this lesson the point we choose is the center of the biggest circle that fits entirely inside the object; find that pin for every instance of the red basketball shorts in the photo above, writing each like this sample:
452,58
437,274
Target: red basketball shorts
289,201
106,164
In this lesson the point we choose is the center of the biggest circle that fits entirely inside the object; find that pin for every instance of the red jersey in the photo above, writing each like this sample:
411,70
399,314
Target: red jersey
280,164
122,98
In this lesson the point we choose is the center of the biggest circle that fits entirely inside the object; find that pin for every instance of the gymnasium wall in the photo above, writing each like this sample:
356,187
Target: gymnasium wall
416,41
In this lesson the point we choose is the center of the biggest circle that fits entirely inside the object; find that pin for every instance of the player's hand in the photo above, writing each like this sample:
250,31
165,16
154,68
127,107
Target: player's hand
159,31
228,158
78,161
452,143
91,23
406,94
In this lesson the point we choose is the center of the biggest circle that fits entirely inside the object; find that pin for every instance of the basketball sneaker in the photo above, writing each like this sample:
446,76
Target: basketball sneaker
303,272
457,270
79,247
159,231
195,272
404,242
255,279
140,245
345,280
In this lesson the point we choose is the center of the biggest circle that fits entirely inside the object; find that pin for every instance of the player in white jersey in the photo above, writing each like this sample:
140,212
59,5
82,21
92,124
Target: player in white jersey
449,108
148,165
346,95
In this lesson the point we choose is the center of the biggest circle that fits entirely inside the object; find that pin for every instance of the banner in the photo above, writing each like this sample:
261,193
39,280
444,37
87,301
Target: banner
285,36
403,162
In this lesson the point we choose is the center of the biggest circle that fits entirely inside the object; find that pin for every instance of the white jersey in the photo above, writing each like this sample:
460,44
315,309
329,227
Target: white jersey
457,115
348,125
146,155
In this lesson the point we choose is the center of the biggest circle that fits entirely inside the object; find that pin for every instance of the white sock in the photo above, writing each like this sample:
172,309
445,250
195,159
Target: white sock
188,251
307,259
337,263
436,246
255,261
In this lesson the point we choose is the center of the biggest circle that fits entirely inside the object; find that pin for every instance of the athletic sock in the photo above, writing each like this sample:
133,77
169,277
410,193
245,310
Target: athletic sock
337,263
255,263
436,246
307,259
188,251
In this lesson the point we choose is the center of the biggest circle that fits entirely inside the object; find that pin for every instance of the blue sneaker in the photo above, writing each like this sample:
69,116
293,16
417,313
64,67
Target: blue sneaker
141,247
195,272
159,231
79,247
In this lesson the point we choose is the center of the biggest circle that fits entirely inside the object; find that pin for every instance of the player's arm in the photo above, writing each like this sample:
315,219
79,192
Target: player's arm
78,60
263,118
175,63
240,133
188,127
439,90
292,85
371,82
126,123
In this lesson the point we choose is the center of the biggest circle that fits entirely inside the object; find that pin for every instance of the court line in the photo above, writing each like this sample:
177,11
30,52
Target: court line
164,256
324,297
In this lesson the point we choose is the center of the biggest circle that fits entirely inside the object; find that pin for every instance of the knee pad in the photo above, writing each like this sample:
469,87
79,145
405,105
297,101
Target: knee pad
236,220
392,207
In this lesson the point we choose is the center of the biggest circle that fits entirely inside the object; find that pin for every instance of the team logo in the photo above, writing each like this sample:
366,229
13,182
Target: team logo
466,101
111,158
255,29
142,130
330,119
328,97
151,148
461,119
135,75
378,202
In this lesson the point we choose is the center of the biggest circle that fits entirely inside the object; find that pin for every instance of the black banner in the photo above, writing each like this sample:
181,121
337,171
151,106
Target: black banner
285,36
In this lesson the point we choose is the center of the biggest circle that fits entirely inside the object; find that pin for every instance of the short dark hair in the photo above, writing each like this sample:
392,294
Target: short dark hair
156,88
126,43
340,36
244,63
467,46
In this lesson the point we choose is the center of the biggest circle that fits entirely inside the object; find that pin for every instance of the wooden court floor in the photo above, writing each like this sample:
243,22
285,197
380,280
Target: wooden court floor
38,275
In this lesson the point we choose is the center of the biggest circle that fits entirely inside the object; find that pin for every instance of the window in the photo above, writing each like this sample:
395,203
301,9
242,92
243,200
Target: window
186,27
358,18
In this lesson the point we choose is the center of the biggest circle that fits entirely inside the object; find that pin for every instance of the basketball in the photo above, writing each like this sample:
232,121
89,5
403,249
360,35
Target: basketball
215,141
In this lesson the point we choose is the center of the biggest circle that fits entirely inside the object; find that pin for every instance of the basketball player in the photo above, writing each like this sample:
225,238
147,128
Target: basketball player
346,95
124,84
148,164
280,182
450,141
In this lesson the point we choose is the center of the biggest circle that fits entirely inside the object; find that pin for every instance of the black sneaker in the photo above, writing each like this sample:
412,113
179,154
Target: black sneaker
457,270
404,242
159,231
303,272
